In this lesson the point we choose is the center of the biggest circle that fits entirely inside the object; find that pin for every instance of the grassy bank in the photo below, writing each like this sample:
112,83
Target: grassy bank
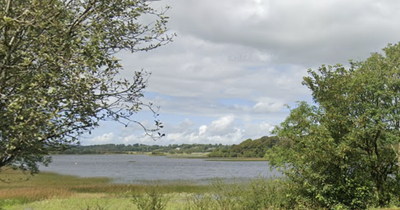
206,158
235,159
54,191
50,191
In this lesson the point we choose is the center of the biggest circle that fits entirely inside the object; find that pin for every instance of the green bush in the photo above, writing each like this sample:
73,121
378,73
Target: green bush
153,199
259,193
343,149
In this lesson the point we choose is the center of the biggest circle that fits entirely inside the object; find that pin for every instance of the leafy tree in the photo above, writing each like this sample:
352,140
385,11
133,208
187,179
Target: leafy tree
248,148
343,149
59,73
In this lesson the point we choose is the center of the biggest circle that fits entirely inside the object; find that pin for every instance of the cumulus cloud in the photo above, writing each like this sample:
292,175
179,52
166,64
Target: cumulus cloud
222,125
202,130
257,130
303,32
137,138
221,130
267,105
226,130
105,138
235,63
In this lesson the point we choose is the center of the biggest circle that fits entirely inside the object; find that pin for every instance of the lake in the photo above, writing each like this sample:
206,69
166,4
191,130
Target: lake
143,168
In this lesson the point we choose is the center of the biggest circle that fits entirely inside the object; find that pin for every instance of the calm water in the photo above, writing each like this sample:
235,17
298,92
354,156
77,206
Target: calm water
139,168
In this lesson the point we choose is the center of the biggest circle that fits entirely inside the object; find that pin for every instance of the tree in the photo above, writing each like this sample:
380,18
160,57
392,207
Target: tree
59,73
343,149
248,148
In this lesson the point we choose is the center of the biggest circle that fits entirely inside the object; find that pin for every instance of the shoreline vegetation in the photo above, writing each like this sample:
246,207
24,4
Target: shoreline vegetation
247,149
205,156
199,155
20,190
52,191
47,190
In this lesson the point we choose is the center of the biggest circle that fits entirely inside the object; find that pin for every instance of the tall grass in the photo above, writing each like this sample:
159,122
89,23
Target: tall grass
21,186
18,188
49,191
259,193
153,199
54,191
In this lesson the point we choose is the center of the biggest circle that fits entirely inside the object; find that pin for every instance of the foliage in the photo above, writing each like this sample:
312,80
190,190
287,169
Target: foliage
59,73
93,207
46,186
124,149
247,148
343,149
260,193
153,199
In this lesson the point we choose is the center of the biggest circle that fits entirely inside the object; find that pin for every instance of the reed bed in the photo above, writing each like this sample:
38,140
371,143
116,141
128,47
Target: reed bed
18,188
50,191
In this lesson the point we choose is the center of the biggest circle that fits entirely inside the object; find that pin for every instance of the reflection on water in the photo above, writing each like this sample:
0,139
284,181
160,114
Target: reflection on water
139,168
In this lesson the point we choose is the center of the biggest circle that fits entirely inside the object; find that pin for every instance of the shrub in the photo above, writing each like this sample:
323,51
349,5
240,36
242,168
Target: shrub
153,199
259,193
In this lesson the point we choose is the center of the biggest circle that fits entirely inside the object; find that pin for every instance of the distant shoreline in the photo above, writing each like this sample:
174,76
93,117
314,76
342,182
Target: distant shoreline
184,156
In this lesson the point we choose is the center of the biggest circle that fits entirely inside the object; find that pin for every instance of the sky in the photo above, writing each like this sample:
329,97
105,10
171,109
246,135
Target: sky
235,64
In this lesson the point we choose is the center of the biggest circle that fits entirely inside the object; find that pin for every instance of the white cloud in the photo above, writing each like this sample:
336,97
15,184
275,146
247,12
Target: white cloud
303,32
221,130
257,130
226,130
222,125
202,130
137,138
267,105
105,138
252,54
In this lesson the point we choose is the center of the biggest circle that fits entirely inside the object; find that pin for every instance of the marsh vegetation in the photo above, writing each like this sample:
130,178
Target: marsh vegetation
54,191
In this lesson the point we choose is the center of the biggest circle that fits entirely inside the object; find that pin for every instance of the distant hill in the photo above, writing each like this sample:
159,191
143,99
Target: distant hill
248,148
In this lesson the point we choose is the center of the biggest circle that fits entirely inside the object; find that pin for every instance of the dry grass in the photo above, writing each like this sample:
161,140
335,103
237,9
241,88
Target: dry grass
33,194
22,186
50,191
25,188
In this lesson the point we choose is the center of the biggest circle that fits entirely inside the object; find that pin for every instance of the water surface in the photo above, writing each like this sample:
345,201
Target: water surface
140,168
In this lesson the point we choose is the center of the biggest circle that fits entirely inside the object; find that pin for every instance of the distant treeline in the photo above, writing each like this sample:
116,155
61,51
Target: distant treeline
141,148
248,148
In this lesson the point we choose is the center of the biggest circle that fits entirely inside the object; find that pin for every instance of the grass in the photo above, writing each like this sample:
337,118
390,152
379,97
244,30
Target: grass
200,155
47,190
57,192
206,158
50,191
